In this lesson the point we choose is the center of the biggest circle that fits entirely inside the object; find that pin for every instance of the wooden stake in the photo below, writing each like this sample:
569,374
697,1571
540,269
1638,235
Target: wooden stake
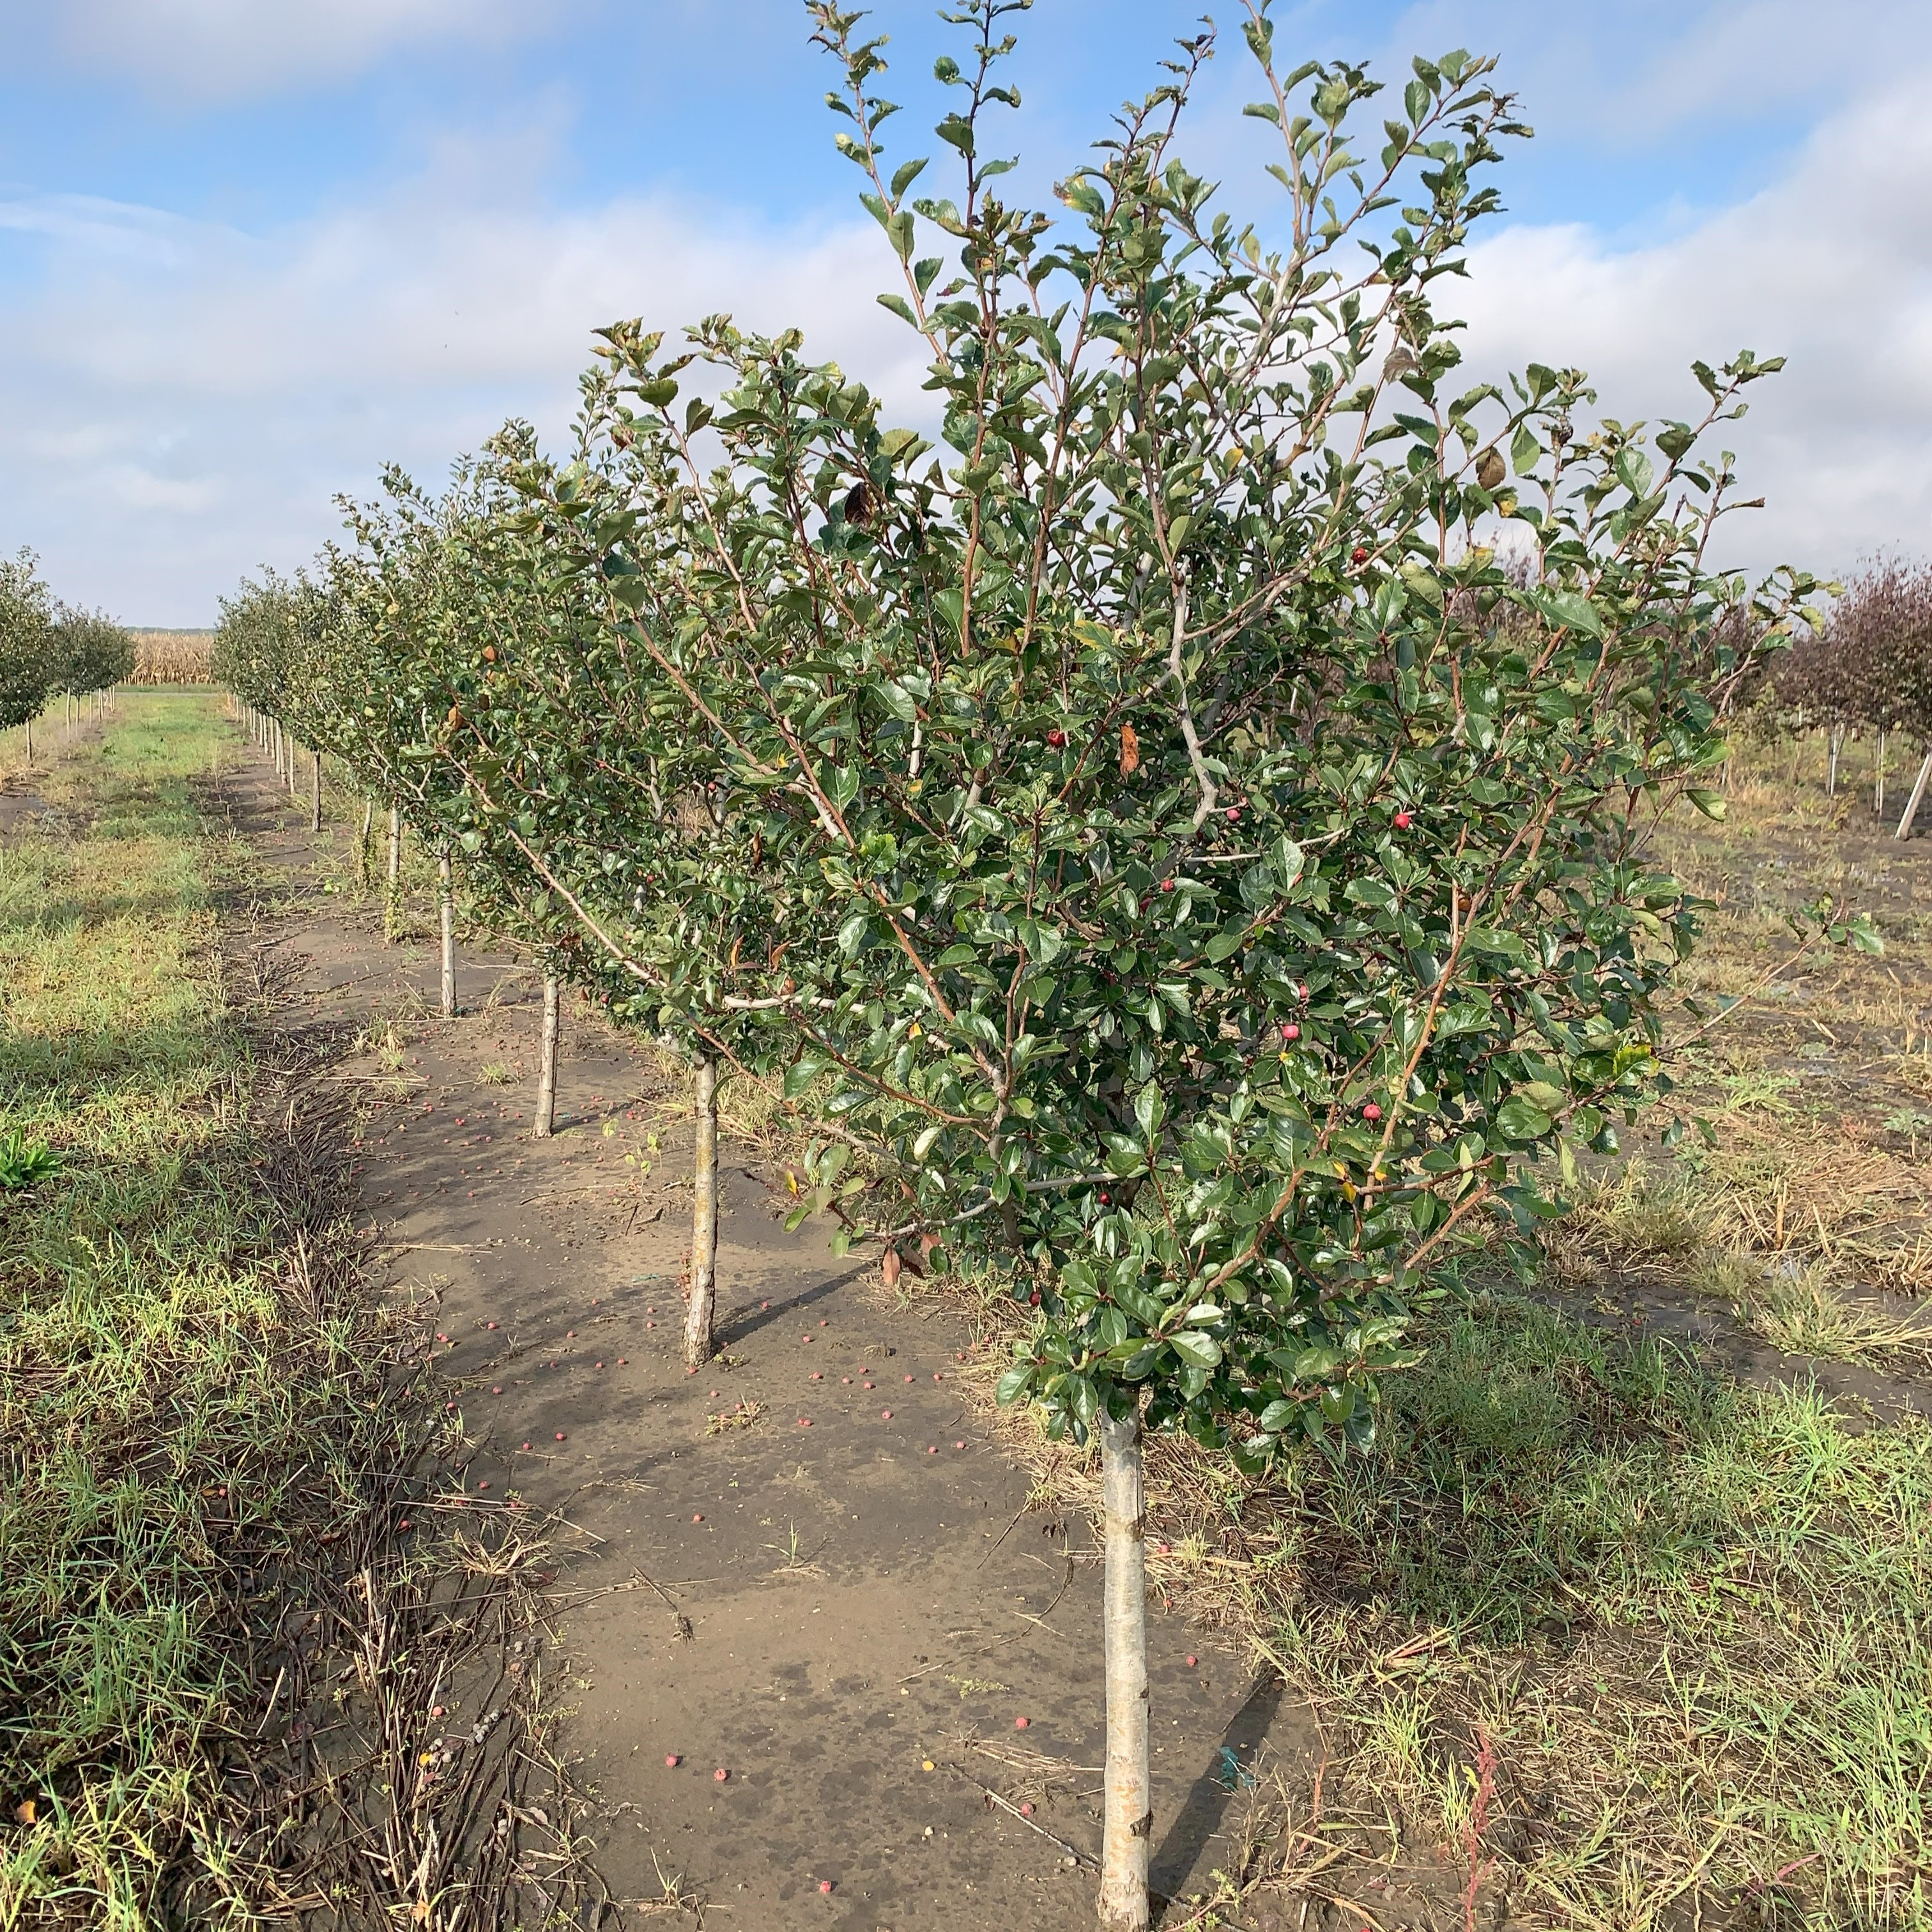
700,1309
546,1120
446,908
1128,1814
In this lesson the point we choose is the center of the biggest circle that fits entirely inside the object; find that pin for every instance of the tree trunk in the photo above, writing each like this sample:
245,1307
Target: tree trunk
1836,741
392,904
1878,779
1129,1813
446,909
1911,810
30,744
363,868
701,1308
546,1120
315,798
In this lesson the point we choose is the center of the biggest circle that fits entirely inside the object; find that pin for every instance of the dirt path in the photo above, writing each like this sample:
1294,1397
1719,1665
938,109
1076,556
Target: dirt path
809,1567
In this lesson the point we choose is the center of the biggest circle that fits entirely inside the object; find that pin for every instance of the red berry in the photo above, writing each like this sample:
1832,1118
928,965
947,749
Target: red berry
721,1775
672,1761
1056,739
1167,885
825,1884
405,1524
1371,1112
559,1435
1359,554
697,1518
1233,811
1192,1662
1026,1810
1021,1723
1034,1298
1401,821
1291,1031
885,1415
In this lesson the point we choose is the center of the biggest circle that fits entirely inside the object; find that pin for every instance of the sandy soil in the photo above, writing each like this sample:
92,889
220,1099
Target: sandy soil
816,1643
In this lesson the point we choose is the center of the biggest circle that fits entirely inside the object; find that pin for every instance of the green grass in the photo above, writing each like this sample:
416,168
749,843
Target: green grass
1690,1617
190,1377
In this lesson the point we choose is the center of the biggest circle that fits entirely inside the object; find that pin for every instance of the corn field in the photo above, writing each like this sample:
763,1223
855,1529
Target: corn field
172,657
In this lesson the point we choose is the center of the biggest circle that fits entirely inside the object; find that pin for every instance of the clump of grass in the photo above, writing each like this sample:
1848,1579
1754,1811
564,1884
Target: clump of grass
1804,1309
1689,1617
207,1437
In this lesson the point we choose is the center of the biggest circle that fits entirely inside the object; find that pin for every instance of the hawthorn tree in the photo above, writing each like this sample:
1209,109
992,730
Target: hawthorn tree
87,652
600,830
26,666
1159,832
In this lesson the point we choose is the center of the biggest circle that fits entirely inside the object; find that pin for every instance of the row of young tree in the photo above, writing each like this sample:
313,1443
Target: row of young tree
1868,672
1141,825
49,650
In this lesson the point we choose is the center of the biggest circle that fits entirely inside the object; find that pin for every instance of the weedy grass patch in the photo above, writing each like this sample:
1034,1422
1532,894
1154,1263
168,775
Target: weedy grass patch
205,1427
1634,1643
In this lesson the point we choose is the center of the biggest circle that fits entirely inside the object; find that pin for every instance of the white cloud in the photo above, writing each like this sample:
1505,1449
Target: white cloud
175,417
1831,266
214,48
179,400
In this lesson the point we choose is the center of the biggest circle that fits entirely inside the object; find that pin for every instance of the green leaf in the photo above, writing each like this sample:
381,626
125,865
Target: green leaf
1523,1119
1013,1385
1198,1350
1571,610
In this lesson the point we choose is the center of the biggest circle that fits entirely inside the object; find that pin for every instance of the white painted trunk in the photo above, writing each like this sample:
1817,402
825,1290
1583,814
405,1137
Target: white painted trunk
1128,1823
700,1309
315,796
446,909
546,1119
1912,804
1878,779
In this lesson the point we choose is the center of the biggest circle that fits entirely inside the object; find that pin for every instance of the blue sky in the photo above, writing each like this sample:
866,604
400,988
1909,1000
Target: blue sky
250,250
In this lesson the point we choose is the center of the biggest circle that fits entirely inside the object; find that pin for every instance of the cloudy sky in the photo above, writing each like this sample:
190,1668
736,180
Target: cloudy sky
251,249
